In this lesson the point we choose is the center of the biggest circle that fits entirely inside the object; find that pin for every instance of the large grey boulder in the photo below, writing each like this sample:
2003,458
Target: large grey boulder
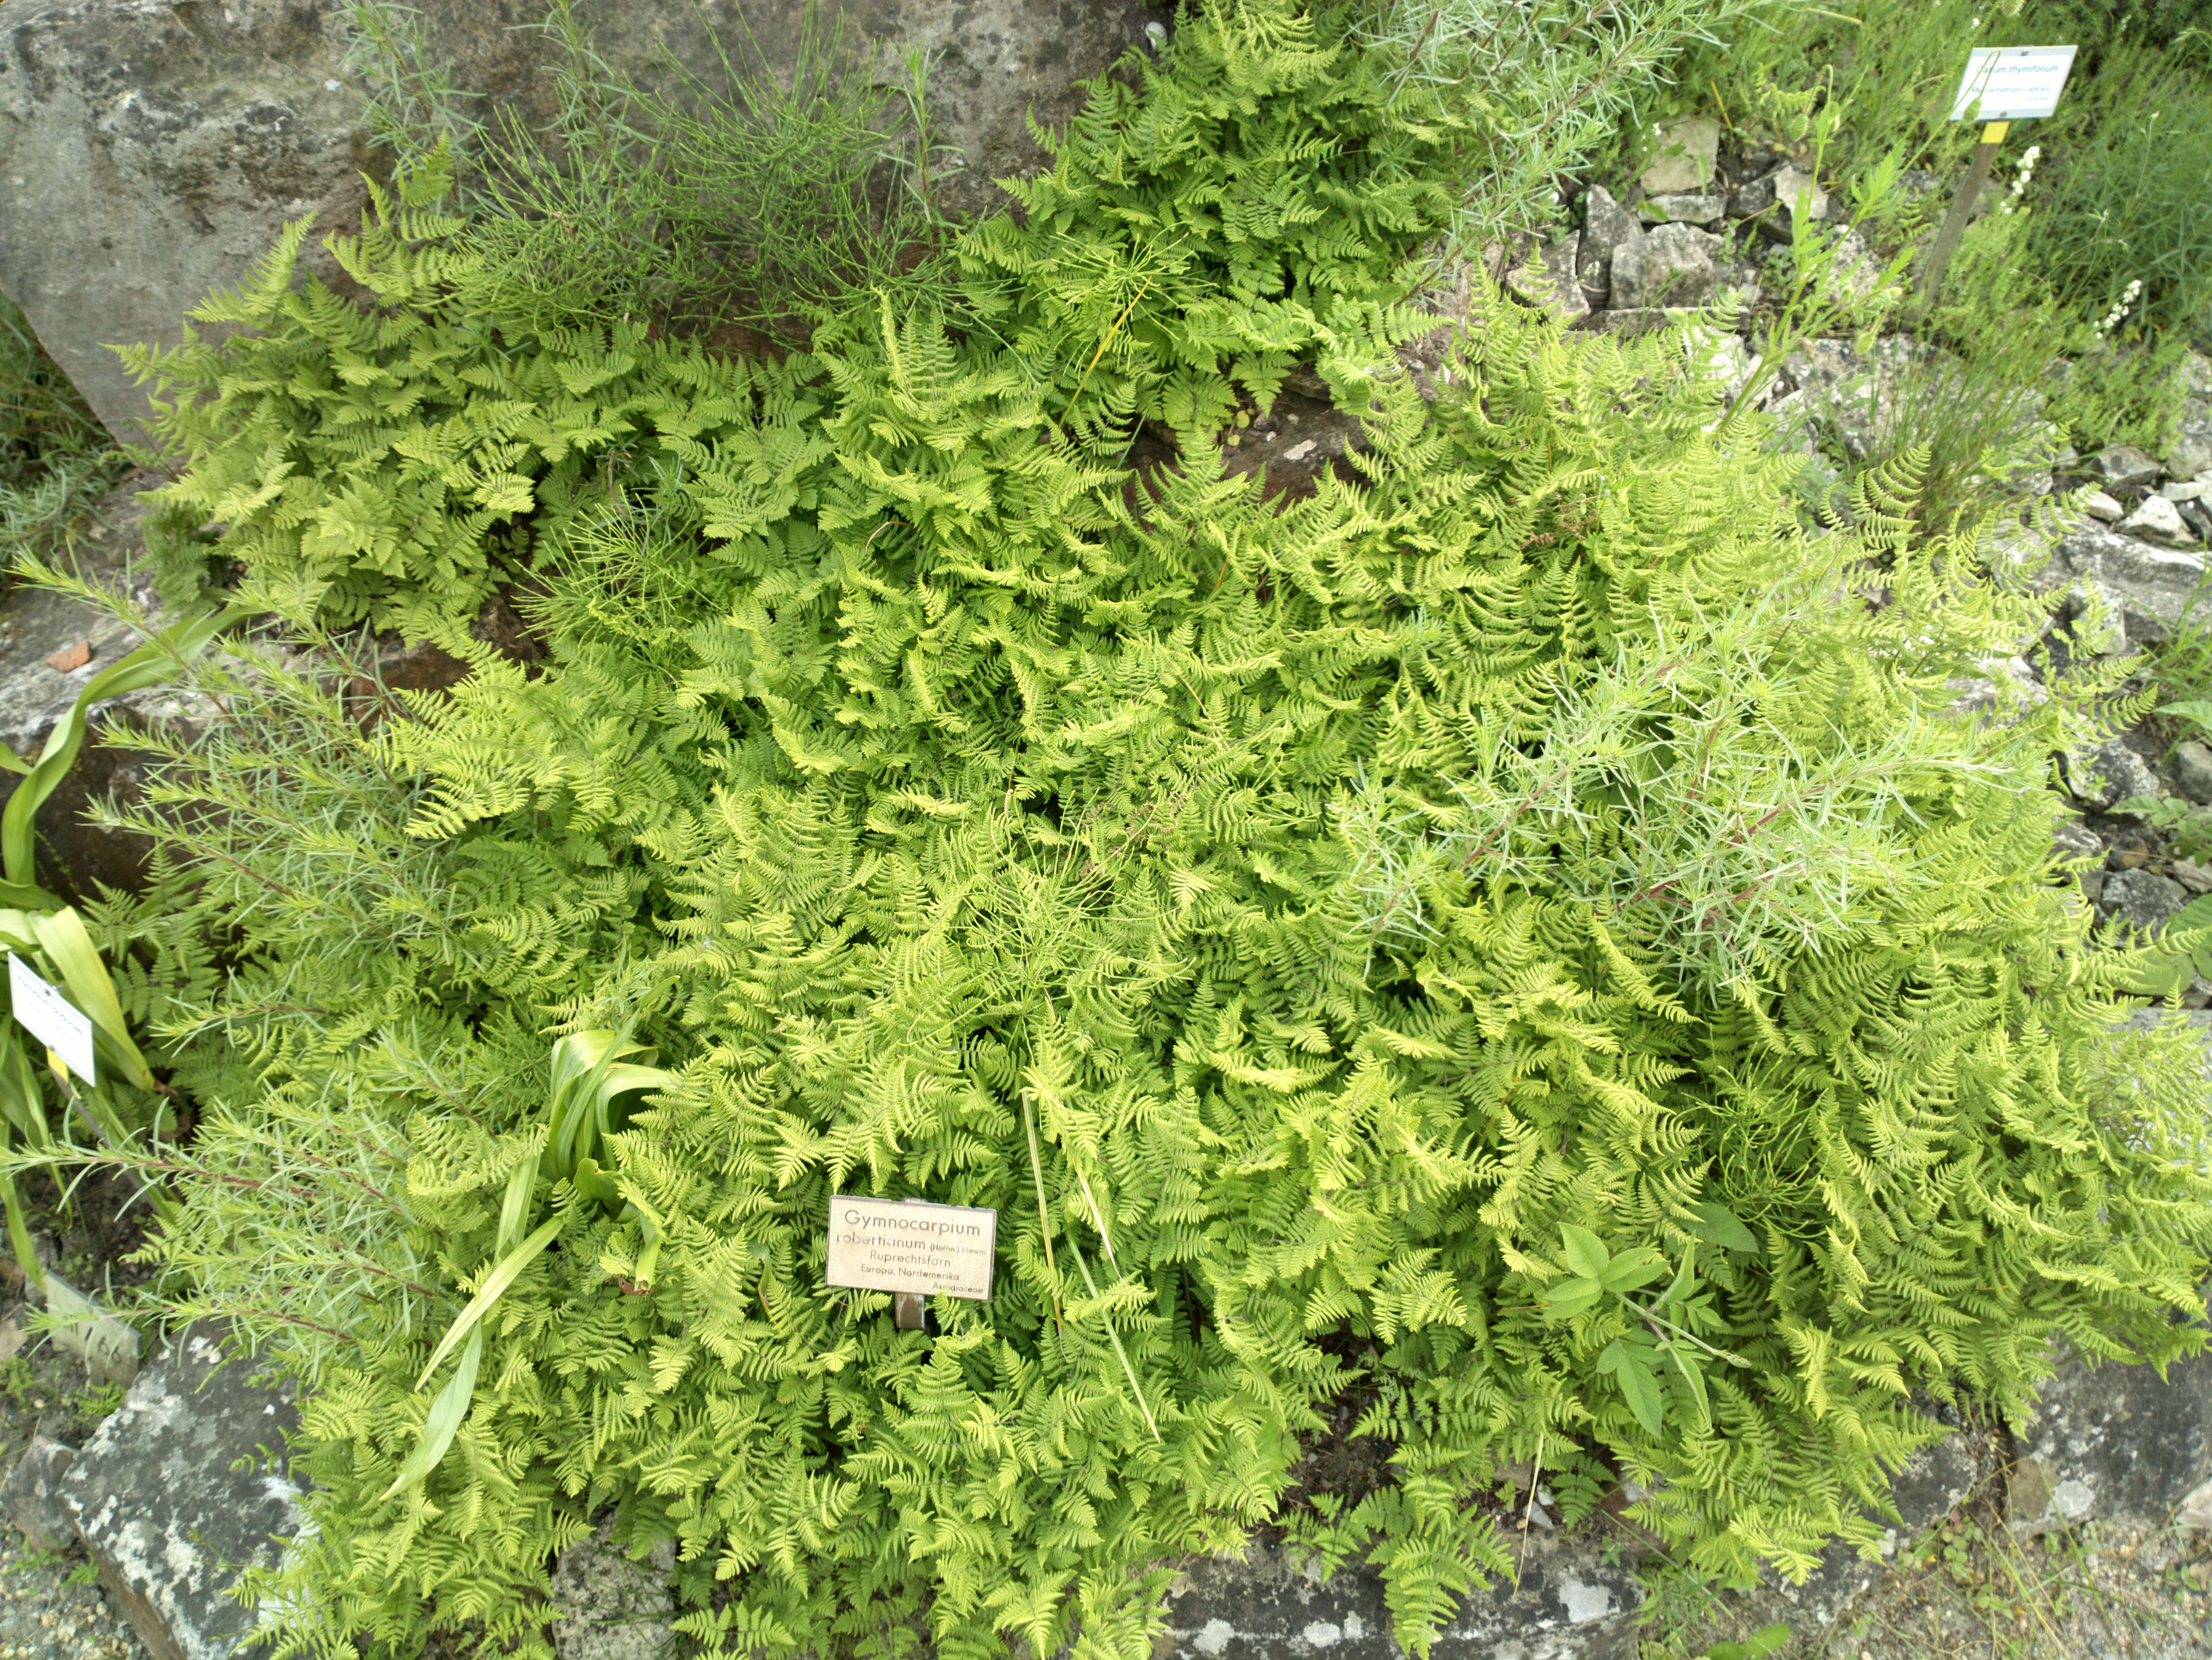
166,1521
2113,1442
150,152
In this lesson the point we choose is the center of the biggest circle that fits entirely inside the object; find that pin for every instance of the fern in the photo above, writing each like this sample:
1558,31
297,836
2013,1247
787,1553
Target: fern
1333,936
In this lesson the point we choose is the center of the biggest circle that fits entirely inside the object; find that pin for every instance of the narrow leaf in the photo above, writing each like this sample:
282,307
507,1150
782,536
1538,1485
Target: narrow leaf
502,1278
444,1422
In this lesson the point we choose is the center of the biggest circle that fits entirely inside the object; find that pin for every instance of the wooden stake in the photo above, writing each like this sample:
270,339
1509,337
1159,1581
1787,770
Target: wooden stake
1954,227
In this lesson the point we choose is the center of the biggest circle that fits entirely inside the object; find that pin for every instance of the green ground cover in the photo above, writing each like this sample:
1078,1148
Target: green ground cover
1495,937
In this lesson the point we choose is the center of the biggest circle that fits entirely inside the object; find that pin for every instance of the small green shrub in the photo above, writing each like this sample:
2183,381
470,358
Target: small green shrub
1888,67
752,200
1551,78
1978,387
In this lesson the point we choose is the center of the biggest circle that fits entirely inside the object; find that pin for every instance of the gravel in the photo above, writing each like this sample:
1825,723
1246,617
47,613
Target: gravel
44,1617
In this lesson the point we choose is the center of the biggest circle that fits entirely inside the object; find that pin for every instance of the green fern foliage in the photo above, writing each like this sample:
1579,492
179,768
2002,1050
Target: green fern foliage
1509,935
394,462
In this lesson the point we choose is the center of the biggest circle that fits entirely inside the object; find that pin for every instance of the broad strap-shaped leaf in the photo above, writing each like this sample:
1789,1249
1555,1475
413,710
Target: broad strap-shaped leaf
149,665
69,948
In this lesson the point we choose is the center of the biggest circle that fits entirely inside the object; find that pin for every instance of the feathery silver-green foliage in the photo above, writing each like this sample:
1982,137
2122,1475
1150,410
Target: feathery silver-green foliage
1551,79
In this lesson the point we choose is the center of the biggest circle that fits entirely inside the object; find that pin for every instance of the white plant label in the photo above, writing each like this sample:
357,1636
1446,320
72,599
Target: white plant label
910,1245
2011,83
51,1019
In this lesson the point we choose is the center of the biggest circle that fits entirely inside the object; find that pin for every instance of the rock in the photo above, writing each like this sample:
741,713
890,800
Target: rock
2101,506
2147,588
1855,272
2198,1022
1934,1482
1771,201
1682,156
2113,1442
2070,839
2192,452
609,1607
2159,520
2195,1509
2123,466
2192,761
1551,281
2194,489
2142,899
1607,228
166,1521
33,1495
2197,878
151,152
1684,207
1571,1605
1982,699
1673,268
2111,772
1725,359
1645,319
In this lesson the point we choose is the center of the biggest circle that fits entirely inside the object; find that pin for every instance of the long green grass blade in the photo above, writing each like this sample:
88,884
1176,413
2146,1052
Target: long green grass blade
444,1422
1115,1338
502,1278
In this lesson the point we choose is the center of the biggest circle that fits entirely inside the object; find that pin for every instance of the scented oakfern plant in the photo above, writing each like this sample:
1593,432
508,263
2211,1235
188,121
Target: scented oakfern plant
1505,934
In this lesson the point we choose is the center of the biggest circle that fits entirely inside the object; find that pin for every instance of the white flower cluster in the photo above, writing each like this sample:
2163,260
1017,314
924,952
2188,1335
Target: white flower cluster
2121,308
2019,179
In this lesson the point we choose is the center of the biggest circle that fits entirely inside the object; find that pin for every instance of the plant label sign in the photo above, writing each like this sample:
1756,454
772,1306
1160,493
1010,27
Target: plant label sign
2011,83
911,1245
51,1019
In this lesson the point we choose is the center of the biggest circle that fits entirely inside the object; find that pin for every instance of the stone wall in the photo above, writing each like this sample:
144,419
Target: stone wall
151,150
